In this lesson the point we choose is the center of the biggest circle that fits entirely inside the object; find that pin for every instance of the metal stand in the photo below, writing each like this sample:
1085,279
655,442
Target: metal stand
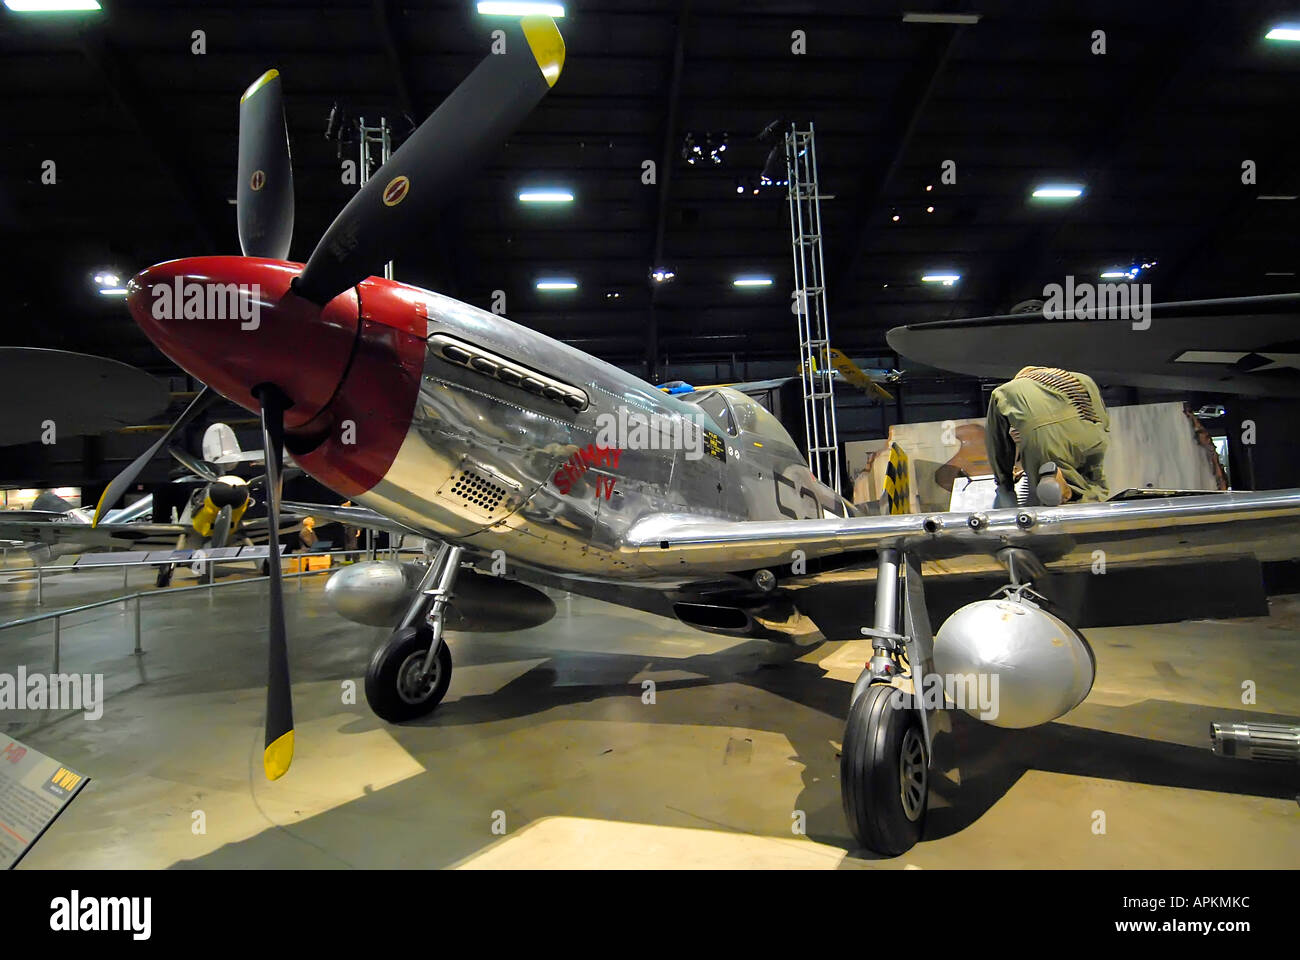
810,306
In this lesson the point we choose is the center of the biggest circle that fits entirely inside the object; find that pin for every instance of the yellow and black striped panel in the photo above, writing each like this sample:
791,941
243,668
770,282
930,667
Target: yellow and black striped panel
897,481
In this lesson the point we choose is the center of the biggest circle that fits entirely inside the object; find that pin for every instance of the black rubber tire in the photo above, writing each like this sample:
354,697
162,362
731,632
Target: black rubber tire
386,668
164,578
870,774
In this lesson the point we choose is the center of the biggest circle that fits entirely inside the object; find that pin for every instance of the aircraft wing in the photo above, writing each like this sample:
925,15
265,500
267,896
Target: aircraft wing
50,530
39,526
1139,532
349,516
1245,345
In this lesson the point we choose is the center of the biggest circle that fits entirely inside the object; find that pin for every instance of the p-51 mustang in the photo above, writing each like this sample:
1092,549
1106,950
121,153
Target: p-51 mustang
445,421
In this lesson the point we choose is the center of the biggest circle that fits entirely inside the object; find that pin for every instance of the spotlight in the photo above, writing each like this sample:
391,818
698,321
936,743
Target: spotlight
503,8
51,6
546,195
662,275
929,209
1058,191
716,148
108,282
774,168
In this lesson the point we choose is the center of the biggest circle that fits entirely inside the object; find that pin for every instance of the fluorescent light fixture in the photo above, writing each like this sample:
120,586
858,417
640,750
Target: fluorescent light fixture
557,283
1058,191
752,282
1280,273
941,18
506,8
947,279
50,6
113,292
545,196
1284,31
1276,196
1113,274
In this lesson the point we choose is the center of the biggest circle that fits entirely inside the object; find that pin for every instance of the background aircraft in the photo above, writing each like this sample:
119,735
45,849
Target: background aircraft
1241,345
47,394
493,441
214,515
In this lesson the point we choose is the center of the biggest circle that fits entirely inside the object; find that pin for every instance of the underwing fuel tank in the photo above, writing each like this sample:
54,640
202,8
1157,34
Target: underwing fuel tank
378,592
1037,666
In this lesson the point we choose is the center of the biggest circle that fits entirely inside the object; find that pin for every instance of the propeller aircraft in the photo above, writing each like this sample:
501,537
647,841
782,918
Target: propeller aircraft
492,440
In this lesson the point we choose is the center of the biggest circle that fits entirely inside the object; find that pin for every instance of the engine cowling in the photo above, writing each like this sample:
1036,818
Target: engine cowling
1036,664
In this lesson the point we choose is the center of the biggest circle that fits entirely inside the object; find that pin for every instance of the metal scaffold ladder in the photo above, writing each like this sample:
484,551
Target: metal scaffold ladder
810,305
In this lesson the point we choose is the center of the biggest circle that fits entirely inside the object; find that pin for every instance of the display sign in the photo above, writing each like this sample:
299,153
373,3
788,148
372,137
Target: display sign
971,494
34,790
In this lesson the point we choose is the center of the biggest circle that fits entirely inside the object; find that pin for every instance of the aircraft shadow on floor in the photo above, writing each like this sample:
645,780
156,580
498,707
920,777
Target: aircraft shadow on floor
976,764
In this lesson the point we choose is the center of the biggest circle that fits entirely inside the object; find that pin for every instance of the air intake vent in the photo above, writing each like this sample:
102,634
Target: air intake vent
477,491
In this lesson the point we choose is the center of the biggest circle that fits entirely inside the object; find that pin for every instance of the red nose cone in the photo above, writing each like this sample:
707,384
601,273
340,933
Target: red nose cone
233,323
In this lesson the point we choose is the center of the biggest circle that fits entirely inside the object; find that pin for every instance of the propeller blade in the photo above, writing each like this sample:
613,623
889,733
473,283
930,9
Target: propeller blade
392,213
192,463
278,753
264,197
221,527
120,483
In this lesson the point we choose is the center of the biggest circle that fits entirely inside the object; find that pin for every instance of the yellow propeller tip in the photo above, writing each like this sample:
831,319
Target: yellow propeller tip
259,83
544,40
277,756
99,509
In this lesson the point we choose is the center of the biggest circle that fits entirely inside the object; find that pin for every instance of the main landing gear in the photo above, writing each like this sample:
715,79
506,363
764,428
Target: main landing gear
409,675
885,762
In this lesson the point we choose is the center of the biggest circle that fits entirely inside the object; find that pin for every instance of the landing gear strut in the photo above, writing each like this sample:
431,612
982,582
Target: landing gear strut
409,675
885,763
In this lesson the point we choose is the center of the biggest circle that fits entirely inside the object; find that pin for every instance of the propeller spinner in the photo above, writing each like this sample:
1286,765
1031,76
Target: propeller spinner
286,357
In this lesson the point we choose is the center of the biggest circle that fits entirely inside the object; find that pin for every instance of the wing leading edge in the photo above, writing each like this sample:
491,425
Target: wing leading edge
1263,524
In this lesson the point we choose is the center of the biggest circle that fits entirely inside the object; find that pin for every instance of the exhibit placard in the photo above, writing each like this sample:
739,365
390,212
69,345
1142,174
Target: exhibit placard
34,790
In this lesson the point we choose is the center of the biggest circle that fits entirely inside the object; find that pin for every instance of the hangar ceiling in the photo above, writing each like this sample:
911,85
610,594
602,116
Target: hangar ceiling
142,132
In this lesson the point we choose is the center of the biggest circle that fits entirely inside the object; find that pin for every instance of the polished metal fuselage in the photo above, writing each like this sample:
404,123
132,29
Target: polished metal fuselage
494,467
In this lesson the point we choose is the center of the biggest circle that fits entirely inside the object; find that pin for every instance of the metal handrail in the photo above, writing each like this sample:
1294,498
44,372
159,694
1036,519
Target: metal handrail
126,565
57,615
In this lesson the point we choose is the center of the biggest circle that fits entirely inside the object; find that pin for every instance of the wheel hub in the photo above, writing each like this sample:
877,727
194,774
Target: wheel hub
912,774
413,684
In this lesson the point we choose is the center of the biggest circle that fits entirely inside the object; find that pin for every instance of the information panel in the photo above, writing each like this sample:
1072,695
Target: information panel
34,790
